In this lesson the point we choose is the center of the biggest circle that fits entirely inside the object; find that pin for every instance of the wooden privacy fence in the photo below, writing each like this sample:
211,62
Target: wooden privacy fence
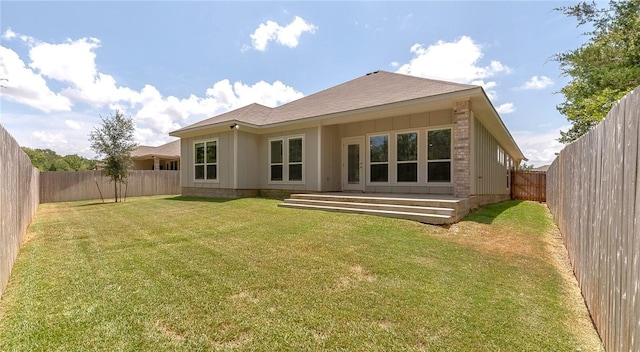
529,185
66,186
18,201
594,197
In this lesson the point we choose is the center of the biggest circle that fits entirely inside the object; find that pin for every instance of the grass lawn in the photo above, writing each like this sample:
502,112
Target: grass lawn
184,274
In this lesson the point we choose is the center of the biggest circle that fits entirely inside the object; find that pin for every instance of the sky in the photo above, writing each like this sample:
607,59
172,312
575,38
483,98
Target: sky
66,65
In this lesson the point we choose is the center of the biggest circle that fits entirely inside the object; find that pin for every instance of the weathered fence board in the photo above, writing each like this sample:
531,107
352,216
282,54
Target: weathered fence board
529,185
593,192
66,186
18,201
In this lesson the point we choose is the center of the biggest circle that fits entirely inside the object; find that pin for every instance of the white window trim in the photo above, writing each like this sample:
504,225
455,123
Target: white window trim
417,161
217,163
427,161
285,160
370,163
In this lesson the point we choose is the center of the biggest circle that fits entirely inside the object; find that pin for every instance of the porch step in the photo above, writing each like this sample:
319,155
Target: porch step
431,210
373,206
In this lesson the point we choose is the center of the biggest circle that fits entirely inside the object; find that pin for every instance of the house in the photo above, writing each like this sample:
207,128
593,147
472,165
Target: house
382,133
164,157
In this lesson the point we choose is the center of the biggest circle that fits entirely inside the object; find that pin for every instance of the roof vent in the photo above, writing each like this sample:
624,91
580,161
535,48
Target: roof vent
372,73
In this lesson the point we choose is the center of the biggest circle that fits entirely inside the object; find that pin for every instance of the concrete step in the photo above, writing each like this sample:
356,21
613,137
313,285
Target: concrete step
374,206
436,219
386,199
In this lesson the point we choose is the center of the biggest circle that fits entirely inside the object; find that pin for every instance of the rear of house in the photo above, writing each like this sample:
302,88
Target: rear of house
379,133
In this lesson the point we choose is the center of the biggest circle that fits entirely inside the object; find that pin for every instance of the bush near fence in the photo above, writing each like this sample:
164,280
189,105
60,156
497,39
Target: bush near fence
19,199
593,194
66,186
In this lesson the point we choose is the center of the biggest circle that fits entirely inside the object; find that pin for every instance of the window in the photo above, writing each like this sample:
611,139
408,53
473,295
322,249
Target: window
500,154
206,160
295,159
439,155
379,158
276,161
407,157
286,159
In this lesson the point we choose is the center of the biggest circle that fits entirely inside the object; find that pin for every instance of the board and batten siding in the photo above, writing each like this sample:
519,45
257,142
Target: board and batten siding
489,176
247,163
331,159
418,122
310,160
225,161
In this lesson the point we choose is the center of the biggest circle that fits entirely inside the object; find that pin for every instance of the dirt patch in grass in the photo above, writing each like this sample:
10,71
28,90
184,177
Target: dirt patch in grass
356,274
582,325
545,246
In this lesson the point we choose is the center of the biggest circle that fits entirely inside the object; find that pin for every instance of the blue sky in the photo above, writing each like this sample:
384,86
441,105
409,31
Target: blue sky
170,64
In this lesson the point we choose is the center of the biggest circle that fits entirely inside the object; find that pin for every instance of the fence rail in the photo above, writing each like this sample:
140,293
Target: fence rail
594,196
18,201
66,186
529,185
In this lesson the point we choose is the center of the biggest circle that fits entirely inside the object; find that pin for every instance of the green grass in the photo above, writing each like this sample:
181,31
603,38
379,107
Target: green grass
172,274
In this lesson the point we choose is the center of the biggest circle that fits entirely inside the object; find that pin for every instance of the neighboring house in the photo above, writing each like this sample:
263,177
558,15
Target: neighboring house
379,133
543,168
164,157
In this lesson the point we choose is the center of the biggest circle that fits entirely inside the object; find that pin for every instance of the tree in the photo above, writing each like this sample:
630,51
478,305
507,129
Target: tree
49,160
605,68
114,141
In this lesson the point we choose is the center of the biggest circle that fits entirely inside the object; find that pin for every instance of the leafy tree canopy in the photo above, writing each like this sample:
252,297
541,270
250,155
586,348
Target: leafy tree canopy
49,160
114,141
604,68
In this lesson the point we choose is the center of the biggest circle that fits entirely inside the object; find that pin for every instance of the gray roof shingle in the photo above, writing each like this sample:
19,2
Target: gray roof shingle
373,89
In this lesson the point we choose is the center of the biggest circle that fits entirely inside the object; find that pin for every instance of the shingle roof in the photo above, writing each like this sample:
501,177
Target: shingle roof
373,89
169,150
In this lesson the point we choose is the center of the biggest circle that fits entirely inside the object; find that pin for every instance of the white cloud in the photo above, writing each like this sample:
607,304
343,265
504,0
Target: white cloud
72,66
9,34
457,61
288,35
74,124
536,82
72,61
394,64
24,86
505,108
539,148
49,138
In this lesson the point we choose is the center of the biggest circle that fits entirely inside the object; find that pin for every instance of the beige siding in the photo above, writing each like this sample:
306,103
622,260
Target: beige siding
310,160
490,177
225,161
415,122
331,159
248,168
406,122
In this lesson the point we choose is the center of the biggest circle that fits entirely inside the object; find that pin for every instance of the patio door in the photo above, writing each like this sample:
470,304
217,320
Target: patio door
353,164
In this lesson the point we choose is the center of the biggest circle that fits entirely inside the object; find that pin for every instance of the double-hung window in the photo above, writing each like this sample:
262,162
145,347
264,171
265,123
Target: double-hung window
286,162
379,158
407,157
206,160
295,159
439,155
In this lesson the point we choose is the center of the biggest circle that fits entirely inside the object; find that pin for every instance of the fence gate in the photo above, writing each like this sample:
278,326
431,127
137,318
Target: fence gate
529,185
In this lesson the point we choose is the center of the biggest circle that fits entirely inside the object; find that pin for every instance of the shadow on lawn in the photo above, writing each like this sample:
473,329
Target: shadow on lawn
199,199
488,213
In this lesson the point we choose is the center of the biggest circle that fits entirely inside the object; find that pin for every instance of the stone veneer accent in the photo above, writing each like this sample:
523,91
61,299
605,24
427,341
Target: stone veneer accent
462,149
